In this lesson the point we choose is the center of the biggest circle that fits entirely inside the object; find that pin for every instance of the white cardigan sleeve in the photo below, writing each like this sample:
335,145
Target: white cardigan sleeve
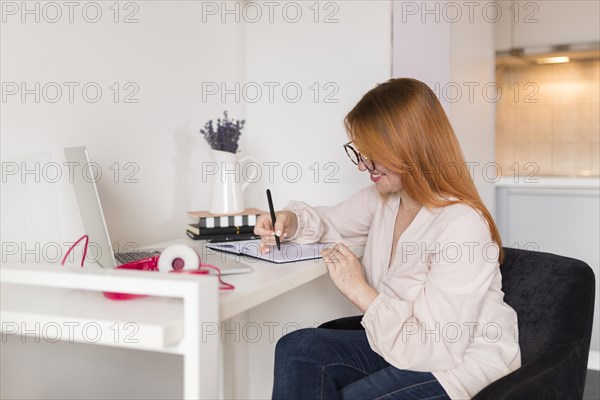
348,221
432,332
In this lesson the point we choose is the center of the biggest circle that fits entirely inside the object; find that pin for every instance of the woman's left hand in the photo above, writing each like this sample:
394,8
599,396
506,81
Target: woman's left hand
348,275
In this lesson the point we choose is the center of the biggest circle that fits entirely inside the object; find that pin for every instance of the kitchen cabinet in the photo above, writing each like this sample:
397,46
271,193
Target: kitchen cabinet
526,23
553,215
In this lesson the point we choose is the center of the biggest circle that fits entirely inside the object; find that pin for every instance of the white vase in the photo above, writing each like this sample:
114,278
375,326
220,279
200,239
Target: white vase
230,183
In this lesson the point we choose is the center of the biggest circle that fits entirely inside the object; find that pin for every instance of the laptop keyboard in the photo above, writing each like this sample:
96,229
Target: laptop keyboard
128,257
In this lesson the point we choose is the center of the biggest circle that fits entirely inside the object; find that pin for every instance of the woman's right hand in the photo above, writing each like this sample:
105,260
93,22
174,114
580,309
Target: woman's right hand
286,224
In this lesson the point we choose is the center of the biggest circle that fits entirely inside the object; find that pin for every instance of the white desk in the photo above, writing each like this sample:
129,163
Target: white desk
179,318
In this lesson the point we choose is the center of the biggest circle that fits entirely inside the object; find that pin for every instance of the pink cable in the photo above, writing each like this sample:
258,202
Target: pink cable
87,240
224,285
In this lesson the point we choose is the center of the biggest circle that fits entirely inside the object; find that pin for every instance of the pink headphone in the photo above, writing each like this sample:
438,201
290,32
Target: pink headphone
177,258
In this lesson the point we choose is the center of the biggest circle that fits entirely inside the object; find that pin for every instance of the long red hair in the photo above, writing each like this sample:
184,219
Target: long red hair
402,124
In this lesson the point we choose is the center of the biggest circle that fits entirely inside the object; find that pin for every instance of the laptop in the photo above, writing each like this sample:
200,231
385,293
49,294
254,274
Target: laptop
94,223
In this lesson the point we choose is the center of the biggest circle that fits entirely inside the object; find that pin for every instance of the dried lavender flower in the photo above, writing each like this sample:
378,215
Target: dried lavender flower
227,134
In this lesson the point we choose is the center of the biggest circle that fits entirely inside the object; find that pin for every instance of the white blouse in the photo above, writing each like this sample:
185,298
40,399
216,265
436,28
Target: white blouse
440,306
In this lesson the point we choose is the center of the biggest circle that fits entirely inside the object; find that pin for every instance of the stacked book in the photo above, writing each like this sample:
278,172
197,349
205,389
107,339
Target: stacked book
223,228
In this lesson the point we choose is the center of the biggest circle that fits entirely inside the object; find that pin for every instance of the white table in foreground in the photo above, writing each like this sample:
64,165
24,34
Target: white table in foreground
170,320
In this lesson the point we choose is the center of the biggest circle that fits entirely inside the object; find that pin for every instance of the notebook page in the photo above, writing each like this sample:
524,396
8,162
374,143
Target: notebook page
289,252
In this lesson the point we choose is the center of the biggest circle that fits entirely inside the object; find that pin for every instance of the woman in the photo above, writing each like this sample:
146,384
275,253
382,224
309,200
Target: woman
435,323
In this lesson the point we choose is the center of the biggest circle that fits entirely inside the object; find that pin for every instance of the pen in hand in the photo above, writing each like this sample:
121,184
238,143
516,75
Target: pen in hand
272,210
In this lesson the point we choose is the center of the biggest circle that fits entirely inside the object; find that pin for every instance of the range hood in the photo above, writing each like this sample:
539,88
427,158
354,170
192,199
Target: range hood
549,54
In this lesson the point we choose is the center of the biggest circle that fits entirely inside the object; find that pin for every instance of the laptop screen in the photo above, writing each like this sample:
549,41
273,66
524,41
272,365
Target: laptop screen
90,208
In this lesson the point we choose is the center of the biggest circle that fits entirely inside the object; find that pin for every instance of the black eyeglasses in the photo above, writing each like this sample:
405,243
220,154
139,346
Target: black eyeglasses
356,157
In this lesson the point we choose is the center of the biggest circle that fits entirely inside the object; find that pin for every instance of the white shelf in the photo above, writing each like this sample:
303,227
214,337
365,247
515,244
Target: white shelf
51,314
54,303
51,303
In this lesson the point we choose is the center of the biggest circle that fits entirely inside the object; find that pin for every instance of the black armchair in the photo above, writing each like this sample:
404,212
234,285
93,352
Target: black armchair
554,300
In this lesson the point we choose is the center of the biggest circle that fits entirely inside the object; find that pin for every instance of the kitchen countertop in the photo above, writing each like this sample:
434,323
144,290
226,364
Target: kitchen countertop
544,182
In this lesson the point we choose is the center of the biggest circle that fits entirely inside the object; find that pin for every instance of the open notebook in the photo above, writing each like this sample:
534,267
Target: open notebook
289,252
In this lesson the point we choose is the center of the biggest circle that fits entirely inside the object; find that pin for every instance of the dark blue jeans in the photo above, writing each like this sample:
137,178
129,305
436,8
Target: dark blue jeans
318,363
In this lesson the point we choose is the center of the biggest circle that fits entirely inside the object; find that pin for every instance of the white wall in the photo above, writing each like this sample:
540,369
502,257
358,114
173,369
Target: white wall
167,55
451,49
345,59
170,53
334,63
